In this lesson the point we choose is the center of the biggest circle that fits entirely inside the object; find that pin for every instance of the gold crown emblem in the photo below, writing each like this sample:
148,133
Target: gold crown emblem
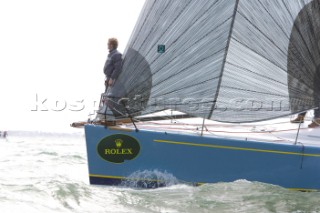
118,143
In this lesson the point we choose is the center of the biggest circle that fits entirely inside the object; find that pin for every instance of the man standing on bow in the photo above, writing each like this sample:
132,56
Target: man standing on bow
112,69
113,65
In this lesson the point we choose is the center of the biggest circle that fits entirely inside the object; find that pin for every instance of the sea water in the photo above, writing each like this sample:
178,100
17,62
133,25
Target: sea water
47,172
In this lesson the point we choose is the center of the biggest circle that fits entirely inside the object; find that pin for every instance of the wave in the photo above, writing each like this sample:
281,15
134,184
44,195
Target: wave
150,179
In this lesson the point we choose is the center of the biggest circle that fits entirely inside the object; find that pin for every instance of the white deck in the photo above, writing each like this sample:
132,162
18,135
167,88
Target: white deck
273,131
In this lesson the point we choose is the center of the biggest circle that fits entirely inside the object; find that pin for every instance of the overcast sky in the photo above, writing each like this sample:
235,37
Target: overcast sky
53,51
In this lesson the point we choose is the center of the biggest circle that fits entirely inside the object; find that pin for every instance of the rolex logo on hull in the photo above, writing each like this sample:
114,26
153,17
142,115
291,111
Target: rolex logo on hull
118,148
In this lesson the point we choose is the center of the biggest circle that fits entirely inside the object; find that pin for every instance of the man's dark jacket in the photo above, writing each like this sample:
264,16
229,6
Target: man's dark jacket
112,67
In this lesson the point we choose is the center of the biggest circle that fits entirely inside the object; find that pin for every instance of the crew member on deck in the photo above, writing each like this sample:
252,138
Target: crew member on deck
113,65
316,119
112,69
315,122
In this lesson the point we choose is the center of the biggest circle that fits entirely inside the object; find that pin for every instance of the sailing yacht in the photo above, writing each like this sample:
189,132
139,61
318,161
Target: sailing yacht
208,87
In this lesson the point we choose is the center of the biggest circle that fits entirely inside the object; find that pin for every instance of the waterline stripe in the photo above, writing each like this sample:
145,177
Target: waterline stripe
195,184
105,176
236,148
303,190
123,178
141,179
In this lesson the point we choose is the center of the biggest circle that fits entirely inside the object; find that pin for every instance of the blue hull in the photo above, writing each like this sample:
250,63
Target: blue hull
114,155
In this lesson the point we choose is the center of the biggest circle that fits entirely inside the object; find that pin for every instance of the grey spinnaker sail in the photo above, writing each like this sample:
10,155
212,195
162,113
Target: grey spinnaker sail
225,60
